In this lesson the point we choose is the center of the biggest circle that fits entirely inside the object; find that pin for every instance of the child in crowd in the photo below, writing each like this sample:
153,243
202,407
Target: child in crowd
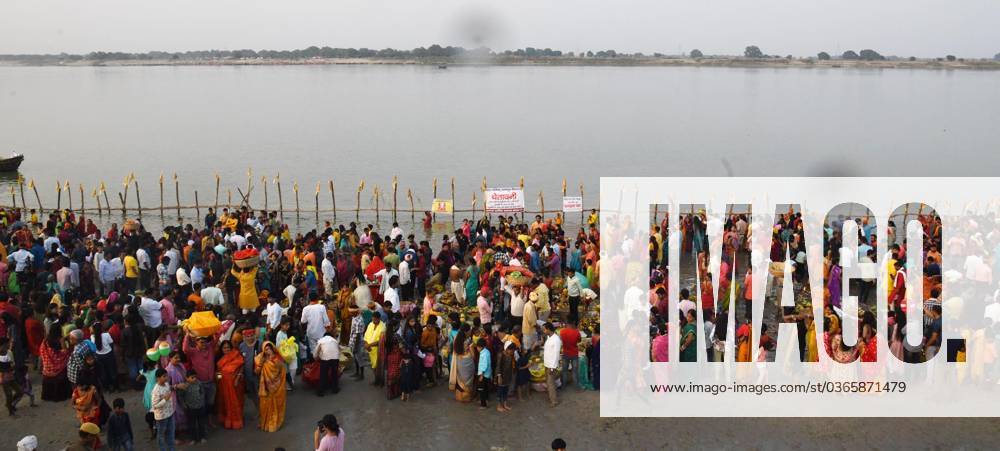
119,428
193,400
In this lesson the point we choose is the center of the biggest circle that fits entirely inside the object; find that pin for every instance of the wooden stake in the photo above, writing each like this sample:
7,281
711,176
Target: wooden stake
357,208
124,199
395,186
377,193
69,195
295,188
217,181
138,200
229,198
317,201
197,209
161,194
333,199
177,195
434,215
82,199
249,187
409,195
453,200
31,184
58,195
281,203
263,181
581,205
473,206
521,184
541,199
20,184
107,203
97,200
13,198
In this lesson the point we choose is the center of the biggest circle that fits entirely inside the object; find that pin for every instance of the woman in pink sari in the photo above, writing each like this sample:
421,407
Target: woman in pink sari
661,345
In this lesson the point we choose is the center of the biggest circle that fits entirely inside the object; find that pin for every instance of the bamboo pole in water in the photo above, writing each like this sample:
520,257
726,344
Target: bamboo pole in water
177,195
249,186
263,181
435,184
82,199
409,195
357,208
317,201
197,209
58,195
161,195
104,192
138,200
229,198
453,200
377,194
217,181
97,200
333,199
295,188
281,202
13,198
124,199
69,195
541,200
521,184
581,205
395,186
474,200
31,184
20,184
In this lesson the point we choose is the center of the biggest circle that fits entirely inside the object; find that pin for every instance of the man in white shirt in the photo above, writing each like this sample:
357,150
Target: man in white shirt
404,277
329,274
174,263
315,319
145,265
550,355
396,232
22,259
328,353
149,310
274,313
212,295
392,293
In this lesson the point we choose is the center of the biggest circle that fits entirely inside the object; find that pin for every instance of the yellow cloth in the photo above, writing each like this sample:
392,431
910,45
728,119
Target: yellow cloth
372,336
812,351
248,289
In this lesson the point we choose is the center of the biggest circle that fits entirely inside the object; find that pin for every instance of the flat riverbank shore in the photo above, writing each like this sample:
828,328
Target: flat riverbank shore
630,61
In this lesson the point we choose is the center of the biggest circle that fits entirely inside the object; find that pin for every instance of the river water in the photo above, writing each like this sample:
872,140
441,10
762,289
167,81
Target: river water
317,123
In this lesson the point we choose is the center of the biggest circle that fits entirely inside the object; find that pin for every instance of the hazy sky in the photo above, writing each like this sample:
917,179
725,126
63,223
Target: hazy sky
801,27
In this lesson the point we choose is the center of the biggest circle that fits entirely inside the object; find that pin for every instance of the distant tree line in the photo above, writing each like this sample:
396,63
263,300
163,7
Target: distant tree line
432,52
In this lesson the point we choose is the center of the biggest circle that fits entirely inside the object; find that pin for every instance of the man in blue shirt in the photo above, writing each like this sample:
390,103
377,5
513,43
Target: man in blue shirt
484,373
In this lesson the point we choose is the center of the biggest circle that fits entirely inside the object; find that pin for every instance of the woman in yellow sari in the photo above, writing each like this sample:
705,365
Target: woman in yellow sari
270,367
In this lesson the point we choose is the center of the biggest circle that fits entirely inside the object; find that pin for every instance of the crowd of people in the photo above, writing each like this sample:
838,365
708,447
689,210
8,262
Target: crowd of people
206,318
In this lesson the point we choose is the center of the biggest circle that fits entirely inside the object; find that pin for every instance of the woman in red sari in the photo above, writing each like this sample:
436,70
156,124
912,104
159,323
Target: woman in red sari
54,353
231,388
392,348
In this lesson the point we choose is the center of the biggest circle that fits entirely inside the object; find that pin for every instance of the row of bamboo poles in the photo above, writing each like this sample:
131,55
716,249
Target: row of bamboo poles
131,183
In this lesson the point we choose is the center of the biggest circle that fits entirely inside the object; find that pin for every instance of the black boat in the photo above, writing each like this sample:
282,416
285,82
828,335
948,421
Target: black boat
11,164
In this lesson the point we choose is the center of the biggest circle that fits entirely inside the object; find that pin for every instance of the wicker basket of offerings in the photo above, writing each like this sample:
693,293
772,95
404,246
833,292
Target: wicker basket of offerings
246,258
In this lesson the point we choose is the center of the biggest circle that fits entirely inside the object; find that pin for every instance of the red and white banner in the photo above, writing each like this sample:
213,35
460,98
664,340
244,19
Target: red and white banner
504,200
572,204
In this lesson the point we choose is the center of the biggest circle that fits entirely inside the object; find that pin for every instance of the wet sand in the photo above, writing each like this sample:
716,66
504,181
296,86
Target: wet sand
433,420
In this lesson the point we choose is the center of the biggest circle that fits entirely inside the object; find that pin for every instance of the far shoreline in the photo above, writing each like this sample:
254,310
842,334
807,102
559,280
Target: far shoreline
731,62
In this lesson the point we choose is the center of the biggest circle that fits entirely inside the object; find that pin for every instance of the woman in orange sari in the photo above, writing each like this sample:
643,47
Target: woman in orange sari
270,366
231,388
